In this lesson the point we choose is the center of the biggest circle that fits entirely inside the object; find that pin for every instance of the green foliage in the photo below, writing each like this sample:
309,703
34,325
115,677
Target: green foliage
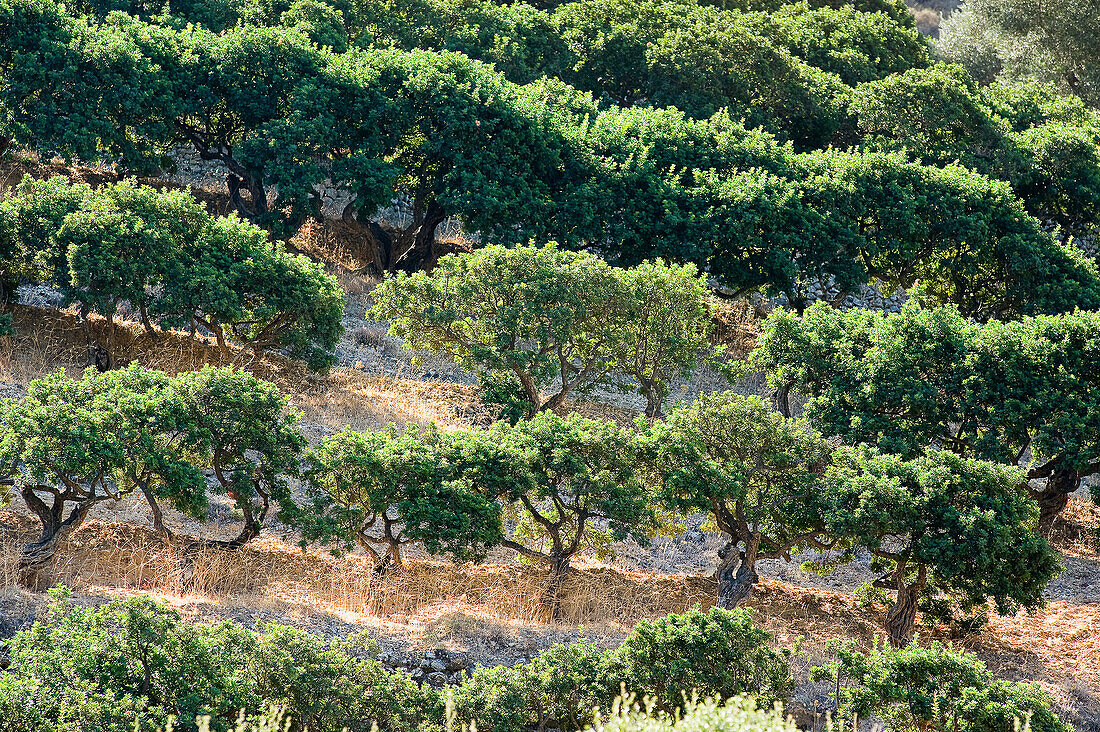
940,523
850,42
547,316
503,394
700,60
577,471
175,264
517,39
247,435
930,379
939,116
963,237
668,328
756,474
561,687
1016,40
69,445
936,113
718,653
133,664
935,689
386,489
321,22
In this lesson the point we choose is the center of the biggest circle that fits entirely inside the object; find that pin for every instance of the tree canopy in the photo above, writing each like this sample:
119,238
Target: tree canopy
71,444
929,379
173,263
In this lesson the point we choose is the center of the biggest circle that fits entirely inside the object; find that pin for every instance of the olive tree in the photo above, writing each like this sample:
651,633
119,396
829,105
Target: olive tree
757,475
1017,40
928,379
939,523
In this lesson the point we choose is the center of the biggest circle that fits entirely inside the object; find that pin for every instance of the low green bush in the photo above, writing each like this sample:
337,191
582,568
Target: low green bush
718,653
132,664
935,689
560,688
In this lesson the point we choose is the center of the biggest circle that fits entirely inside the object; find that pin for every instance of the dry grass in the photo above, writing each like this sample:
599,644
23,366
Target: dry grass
125,556
1058,646
50,339
736,325
347,244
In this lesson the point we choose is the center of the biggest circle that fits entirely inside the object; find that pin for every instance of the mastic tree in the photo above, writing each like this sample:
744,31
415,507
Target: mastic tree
545,315
934,113
69,445
517,39
175,264
717,653
963,238
939,523
850,42
243,432
934,689
134,663
757,475
578,472
928,379
667,330
940,116
34,212
700,60
548,317
382,490
469,144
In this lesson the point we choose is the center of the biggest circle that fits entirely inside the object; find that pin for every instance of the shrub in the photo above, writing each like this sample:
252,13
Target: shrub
132,664
936,689
560,688
718,653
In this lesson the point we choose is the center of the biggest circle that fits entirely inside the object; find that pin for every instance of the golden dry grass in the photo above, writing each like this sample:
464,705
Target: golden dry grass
1058,646
50,339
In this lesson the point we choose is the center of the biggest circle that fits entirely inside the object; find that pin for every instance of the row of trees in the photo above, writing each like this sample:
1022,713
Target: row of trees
548,488
173,263
546,161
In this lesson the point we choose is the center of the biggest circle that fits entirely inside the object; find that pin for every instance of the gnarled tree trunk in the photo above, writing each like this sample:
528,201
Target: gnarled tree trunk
1054,496
736,573
901,617
555,578
422,254
36,560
